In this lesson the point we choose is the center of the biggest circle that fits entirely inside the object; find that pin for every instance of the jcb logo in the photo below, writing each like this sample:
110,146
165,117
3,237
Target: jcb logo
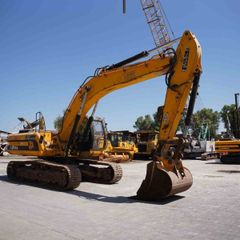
185,60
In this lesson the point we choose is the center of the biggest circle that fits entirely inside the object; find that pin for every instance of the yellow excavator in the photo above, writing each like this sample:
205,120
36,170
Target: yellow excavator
61,165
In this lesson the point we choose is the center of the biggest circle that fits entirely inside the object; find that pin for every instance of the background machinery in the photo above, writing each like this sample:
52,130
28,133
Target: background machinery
123,142
200,147
37,125
3,142
26,126
62,166
229,148
146,143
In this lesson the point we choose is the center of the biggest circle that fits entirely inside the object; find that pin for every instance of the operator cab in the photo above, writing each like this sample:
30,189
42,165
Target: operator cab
93,137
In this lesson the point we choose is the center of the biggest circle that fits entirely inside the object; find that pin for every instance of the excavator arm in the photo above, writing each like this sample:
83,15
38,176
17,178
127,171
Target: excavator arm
166,175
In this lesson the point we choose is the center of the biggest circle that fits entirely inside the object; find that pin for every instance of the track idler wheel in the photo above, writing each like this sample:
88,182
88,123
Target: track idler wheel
160,183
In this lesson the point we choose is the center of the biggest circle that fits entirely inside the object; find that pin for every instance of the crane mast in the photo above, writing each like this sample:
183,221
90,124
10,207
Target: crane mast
157,22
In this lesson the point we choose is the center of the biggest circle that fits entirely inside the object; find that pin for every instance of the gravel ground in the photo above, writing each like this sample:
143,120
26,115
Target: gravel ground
208,210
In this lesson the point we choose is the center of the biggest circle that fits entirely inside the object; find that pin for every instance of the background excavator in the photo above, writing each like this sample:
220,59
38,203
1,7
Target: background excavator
26,126
62,166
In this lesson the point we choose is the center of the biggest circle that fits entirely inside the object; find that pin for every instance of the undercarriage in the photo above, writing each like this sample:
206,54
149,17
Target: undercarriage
64,173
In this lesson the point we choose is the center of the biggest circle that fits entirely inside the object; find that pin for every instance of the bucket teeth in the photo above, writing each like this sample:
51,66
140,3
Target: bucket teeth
160,183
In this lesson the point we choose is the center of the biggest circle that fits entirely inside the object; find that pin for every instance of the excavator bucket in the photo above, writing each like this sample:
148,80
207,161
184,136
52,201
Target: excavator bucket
160,183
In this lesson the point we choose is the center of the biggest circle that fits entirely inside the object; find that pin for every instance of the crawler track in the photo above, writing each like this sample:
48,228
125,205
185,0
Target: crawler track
64,176
44,173
100,171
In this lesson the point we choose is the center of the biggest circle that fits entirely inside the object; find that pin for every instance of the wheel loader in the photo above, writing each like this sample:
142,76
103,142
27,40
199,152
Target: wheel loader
61,165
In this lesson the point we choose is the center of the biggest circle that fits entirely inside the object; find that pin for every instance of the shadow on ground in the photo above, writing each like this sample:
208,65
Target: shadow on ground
98,197
229,171
221,163
121,199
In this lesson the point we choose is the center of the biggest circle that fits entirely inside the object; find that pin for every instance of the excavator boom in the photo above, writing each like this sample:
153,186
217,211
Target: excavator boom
107,81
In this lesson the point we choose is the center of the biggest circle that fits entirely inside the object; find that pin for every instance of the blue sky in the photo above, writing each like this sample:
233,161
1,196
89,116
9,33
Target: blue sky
47,48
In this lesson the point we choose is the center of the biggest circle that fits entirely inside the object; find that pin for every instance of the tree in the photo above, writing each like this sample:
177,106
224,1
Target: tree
229,118
58,122
144,123
205,116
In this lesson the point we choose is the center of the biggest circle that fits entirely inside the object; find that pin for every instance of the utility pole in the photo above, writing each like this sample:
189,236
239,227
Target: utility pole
237,115
124,6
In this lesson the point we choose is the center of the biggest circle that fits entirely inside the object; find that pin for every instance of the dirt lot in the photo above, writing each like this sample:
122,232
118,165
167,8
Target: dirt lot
209,210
